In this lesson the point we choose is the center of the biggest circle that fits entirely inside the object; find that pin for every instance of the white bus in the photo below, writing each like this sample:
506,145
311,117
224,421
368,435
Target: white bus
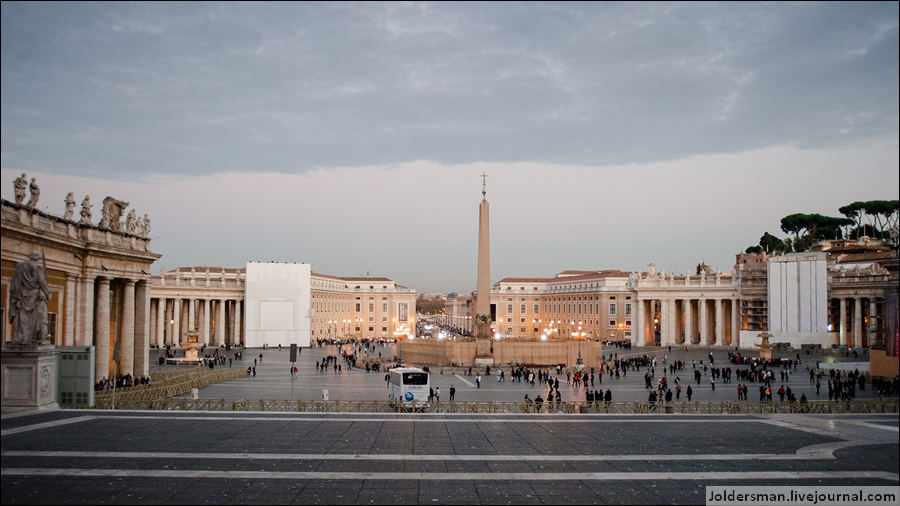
408,384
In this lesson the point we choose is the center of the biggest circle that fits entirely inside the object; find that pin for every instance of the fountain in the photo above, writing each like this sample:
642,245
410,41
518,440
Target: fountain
190,346
765,347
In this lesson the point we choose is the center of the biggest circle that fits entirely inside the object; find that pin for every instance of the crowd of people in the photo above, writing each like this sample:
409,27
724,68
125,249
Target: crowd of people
661,376
121,381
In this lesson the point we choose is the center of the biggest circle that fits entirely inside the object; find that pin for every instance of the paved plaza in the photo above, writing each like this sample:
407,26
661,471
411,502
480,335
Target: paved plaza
102,457
273,379
143,457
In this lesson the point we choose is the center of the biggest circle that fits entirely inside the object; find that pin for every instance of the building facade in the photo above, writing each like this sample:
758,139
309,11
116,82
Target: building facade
99,276
195,299
593,305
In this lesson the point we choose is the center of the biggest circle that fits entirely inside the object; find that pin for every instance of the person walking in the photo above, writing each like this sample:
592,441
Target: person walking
689,392
452,392
437,394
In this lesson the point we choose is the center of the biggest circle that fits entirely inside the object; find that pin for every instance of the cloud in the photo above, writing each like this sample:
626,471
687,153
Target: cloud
209,88
416,222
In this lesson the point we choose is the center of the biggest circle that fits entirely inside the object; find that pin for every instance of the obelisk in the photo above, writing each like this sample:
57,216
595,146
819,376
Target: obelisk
483,290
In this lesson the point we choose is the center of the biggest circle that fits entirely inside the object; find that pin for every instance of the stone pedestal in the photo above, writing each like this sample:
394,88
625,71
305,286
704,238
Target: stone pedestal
29,377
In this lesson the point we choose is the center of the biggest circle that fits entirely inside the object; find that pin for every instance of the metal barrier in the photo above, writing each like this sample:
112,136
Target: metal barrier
173,384
491,407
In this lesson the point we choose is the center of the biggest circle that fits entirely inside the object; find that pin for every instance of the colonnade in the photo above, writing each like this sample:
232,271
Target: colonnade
707,321
216,322
121,314
850,321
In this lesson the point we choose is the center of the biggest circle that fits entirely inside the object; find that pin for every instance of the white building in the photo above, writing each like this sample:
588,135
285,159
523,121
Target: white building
798,298
277,303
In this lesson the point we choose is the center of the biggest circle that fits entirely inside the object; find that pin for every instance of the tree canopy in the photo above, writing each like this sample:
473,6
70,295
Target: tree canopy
873,218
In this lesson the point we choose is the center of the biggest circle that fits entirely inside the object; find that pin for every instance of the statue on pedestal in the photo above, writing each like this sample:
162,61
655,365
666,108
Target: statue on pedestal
28,296
146,228
86,210
131,222
20,184
35,194
70,206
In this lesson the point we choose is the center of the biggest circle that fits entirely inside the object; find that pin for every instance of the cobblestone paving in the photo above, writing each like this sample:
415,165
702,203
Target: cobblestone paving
102,457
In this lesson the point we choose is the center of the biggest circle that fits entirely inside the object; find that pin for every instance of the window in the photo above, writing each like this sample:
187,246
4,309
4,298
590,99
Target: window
612,323
627,323
371,319
522,330
521,320
612,308
357,307
371,307
371,329
384,307
627,309
537,308
509,309
523,309
384,329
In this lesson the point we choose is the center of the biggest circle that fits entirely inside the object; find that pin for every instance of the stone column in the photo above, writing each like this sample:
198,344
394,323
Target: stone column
176,327
704,322
232,316
664,327
842,326
142,329
161,306
101,336
873,322
688,321
84,313
192,309
204,323
857,322
126,335
638,331
237,322
220,323
720,323
69,334
736,322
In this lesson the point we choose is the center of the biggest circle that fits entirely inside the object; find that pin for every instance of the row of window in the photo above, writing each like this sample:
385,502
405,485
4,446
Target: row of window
572,308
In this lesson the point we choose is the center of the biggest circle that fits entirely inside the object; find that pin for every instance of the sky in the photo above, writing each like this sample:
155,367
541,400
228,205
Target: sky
353,135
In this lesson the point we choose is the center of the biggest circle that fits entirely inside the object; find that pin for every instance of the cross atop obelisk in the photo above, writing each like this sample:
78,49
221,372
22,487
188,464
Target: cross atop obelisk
483,185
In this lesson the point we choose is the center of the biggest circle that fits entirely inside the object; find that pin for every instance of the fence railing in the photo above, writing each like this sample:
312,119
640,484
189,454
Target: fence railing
167,386
491,407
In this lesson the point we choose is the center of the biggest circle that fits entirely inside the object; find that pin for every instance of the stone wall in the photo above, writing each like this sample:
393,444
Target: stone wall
438,352
534,353
882,364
